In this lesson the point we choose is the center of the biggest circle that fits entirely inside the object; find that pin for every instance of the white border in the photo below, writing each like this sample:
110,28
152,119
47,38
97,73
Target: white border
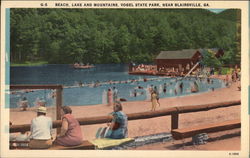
244,153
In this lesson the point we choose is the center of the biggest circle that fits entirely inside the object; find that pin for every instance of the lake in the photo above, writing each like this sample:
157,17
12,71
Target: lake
95,83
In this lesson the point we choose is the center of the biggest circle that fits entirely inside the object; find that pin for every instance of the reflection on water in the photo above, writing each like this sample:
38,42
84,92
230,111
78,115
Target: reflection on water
89,87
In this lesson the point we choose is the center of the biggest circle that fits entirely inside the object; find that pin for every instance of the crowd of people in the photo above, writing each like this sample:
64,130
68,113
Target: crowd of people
143,68
167,71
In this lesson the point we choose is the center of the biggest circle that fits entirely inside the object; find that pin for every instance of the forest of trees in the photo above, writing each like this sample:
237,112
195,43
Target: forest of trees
66,36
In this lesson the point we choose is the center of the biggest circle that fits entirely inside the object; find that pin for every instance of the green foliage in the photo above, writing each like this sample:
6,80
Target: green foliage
224,71
61,36
210,60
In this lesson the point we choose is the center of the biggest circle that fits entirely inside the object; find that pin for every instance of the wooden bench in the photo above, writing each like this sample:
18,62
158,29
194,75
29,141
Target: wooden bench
209,128
15,144
86,145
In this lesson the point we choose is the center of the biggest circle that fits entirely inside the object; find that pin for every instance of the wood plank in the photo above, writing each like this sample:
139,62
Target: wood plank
58,106
221,126
86,145
174,121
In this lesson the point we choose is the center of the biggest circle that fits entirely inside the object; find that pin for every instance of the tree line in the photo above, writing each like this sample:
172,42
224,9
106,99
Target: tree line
98,36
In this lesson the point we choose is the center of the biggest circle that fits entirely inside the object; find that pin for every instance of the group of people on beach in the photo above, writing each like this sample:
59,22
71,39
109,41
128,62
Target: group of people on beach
235,76
179,71
143,67
40,135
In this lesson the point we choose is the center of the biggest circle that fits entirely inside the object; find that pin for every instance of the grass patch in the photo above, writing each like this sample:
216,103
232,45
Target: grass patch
29,63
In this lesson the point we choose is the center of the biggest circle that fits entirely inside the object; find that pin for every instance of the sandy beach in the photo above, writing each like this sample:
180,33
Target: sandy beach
153,125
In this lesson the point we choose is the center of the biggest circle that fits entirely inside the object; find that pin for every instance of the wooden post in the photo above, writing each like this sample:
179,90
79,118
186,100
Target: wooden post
58,105
174,121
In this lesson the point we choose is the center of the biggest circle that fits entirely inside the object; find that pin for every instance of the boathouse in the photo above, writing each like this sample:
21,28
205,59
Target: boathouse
181,59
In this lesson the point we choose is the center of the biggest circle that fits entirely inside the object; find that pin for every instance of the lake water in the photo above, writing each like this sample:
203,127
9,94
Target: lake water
88,94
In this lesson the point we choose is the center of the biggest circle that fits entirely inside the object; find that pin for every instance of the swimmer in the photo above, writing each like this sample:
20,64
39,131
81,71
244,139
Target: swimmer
164,88
139,87
135,93
181,87
175,91
23,104
80,83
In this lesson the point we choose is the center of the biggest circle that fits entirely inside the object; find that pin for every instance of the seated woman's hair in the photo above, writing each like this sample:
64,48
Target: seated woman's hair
118,106
66,110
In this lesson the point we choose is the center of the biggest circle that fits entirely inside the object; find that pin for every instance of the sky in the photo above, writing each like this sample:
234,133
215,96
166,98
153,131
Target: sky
216,10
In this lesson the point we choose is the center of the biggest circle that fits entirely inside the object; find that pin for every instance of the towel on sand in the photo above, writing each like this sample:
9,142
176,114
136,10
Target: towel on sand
107,142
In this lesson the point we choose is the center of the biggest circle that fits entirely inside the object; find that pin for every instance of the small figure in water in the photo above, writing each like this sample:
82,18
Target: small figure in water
150,89
135,93
156,90
80,83
140,87
23,104
115,94
181,87
110,97
195,87
164,88
208,80
175,91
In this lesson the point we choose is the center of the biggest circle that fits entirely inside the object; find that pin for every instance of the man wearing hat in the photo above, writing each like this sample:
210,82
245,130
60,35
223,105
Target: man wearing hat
41,129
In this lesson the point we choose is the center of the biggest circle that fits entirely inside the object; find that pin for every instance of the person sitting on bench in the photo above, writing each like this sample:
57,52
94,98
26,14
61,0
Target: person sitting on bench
117,129
71,134
41,129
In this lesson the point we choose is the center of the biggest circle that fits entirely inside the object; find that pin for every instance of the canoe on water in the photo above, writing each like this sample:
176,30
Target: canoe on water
83,66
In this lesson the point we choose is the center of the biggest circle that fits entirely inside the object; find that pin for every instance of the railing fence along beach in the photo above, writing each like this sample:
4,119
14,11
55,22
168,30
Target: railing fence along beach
174,111
59,98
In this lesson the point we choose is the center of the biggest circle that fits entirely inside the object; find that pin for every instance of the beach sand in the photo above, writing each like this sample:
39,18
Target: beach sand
152,125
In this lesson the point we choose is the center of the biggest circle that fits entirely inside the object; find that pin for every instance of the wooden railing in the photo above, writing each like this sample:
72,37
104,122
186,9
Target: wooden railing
174,112
58,88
